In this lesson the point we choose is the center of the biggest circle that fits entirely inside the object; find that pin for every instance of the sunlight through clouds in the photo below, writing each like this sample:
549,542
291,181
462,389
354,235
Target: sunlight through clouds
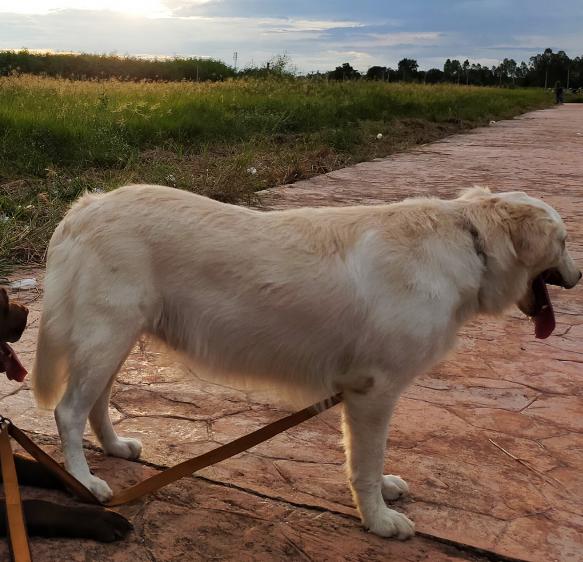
145,8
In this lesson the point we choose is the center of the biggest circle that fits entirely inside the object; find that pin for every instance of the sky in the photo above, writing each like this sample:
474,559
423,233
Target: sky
315,34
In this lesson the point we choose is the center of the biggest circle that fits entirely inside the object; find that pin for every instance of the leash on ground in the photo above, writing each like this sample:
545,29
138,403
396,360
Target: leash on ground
17,528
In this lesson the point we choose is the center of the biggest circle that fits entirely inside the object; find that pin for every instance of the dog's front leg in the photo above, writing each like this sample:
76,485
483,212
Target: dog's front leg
365,424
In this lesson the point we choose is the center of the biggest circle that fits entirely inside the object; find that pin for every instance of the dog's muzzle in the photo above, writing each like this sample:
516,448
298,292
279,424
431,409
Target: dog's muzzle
554,277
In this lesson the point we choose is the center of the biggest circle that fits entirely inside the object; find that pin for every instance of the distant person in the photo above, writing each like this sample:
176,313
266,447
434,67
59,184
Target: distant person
559,93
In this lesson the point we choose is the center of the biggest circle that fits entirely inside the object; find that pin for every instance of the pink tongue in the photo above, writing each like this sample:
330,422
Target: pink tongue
14,368
544,321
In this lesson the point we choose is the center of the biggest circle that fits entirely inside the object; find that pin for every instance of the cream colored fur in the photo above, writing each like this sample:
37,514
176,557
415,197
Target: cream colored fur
358,300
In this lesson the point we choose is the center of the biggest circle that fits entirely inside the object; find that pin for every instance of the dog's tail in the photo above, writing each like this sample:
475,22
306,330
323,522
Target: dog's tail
50,371
53,348
55,345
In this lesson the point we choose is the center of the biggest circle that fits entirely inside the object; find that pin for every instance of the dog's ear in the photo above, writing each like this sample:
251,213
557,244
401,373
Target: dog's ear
3,302
513,231
531,230
475,192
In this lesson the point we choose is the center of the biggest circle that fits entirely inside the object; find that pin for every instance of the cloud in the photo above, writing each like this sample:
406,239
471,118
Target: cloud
427,38
285,25
317,35
145,8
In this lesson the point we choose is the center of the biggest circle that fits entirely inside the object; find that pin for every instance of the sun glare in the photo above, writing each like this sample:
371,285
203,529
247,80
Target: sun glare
143,8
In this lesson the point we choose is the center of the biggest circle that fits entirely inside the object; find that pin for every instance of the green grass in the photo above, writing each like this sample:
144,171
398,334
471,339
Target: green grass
574,98
59,138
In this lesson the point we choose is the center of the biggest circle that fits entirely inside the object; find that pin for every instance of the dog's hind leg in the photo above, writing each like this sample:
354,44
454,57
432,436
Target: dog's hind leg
100,348
365,422
123,447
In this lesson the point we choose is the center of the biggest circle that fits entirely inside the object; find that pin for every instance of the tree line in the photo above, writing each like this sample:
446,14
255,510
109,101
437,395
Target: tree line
88,67
543,70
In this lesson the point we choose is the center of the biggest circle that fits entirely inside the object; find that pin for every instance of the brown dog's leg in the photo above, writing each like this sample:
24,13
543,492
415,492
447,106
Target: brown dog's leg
32,473
47,519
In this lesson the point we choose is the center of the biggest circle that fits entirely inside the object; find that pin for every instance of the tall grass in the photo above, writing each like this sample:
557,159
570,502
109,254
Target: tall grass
45,122
59,138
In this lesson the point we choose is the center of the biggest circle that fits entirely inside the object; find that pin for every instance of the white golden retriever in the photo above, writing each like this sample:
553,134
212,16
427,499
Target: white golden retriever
357,300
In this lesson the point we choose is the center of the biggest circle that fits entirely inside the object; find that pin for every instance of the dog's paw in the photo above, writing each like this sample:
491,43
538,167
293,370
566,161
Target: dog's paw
109,526
390,523
124,448
394,487
99,488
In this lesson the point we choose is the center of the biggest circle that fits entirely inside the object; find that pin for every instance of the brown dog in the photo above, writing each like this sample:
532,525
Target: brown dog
44,518
12,323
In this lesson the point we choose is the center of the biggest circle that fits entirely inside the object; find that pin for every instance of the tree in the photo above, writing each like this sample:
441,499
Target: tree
452,69
506,71
344,72
547,68
377,73
407,69
466,70
433,76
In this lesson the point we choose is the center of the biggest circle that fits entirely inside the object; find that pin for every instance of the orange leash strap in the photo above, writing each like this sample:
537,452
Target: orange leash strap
17,534
219,454
178,471
51,464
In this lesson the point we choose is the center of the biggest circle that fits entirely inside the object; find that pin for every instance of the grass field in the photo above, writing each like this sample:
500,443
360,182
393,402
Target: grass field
227,140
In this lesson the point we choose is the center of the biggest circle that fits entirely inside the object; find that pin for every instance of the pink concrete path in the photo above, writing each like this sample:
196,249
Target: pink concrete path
491,441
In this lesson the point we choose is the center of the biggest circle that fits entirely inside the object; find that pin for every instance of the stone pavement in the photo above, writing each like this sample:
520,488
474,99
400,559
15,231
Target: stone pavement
491,441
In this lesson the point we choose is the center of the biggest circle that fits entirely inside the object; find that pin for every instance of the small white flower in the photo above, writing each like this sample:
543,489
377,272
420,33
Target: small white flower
492,122
379,136
252,170
170,178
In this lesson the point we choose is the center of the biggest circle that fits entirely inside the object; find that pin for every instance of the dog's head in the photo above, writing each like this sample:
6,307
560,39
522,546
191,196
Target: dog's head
12,323
524,244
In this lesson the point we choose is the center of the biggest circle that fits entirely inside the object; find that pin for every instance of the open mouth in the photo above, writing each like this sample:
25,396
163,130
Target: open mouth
10,363
543,313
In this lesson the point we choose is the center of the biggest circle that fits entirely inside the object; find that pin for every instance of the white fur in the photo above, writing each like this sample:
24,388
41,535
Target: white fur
358,300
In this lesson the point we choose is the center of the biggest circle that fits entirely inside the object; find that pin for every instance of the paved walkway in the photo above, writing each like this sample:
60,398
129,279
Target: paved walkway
491,442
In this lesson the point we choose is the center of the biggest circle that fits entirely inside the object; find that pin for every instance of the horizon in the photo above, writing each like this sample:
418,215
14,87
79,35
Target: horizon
195,57
316,37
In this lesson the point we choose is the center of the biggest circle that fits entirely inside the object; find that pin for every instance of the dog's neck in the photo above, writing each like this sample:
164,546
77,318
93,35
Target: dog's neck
478,242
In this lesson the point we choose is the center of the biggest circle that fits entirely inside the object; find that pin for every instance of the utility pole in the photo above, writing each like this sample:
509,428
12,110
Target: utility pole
235,58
